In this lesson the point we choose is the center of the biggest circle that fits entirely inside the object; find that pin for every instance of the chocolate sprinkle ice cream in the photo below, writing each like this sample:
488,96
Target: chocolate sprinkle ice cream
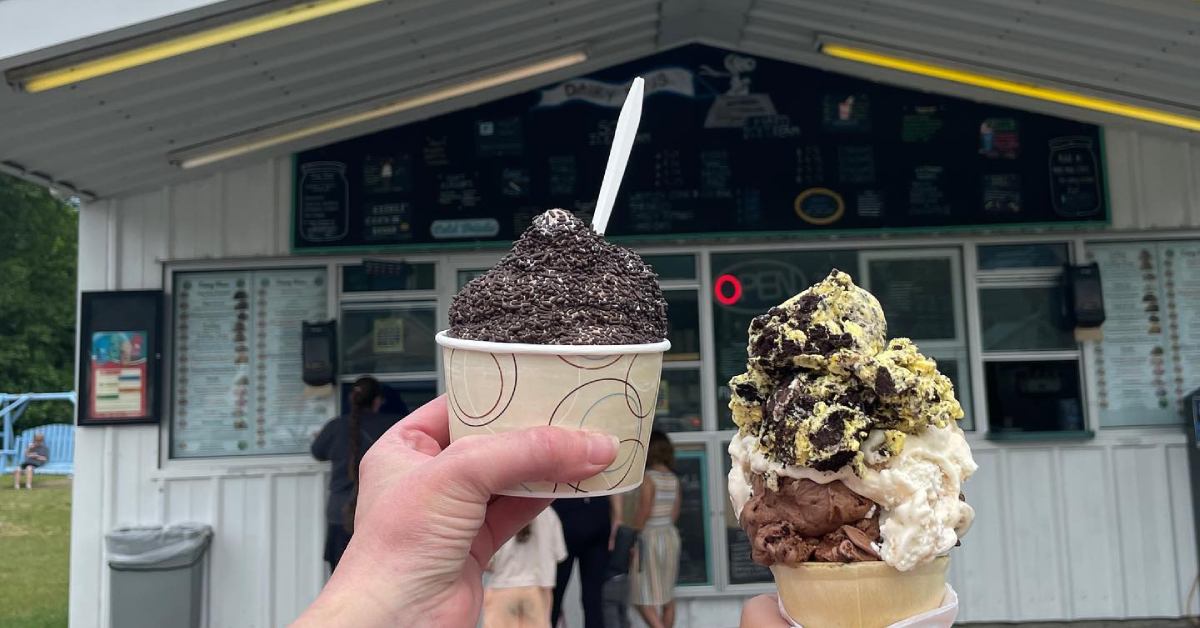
563,283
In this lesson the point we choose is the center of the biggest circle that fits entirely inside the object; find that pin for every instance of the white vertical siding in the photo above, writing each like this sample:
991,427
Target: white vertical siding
1081,493
1154,182
266,560
1067,531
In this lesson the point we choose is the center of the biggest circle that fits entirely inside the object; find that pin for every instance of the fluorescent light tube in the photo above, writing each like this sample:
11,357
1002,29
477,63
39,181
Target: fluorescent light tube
207,38
1048,94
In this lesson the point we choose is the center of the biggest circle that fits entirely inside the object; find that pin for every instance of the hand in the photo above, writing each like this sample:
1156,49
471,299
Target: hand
427,521
763,612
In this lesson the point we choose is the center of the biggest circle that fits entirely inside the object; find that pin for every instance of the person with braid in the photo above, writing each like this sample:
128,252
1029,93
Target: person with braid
344,441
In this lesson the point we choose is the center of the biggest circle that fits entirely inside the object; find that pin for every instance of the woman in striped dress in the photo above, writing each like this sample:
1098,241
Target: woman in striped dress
652,581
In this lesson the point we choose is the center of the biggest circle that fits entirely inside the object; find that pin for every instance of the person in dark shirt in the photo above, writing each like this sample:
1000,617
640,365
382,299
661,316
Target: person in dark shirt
344,441
590,527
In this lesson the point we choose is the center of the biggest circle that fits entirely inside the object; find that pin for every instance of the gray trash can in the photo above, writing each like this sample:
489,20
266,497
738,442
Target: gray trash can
157,575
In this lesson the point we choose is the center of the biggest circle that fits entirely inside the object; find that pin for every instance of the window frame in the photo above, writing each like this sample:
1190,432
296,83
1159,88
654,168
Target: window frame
1032,277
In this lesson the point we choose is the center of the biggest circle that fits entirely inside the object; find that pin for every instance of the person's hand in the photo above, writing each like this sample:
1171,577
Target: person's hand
763,612
427,522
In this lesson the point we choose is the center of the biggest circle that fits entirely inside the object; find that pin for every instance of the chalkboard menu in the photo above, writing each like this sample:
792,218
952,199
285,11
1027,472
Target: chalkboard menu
728,143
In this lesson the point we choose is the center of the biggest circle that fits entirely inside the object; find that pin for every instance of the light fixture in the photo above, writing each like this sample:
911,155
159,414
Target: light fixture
1048,94
40,81
196,157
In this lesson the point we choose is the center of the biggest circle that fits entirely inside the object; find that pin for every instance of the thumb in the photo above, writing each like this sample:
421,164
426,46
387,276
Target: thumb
485,465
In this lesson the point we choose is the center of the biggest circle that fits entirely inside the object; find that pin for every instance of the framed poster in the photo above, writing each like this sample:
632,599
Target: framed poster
120,357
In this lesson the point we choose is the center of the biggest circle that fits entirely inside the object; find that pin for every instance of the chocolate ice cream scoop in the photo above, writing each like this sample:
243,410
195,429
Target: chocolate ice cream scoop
562,283
804,520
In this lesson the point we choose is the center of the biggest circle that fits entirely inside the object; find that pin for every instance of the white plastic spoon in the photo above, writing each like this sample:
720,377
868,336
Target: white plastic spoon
618,156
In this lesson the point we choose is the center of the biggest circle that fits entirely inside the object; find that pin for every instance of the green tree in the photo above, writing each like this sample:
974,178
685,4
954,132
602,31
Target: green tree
38,254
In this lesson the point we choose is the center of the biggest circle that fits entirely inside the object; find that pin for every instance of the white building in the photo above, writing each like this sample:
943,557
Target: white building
189,169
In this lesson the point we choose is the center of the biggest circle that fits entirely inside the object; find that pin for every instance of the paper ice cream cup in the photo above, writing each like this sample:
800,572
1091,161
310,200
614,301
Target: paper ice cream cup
496,387
859,595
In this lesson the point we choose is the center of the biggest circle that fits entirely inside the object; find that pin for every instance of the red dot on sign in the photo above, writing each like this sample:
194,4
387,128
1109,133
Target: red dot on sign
727,289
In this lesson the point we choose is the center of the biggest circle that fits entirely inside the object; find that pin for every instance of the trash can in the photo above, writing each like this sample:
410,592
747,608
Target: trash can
157,575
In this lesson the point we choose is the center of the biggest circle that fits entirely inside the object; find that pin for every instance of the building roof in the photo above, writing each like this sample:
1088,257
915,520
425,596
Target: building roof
116,134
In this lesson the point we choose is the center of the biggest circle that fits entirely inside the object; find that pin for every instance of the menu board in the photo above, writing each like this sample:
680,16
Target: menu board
692,470
1149,359
728,142
237,362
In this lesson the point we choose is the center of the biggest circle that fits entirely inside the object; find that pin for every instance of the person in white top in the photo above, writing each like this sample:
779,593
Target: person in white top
519,592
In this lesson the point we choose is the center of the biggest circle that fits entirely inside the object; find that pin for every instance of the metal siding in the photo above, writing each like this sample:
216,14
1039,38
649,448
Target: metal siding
1092,592
1033,554
1182,522
194,220
979,569
238,553
1147,544
248,201
1164,177
87,491
297,544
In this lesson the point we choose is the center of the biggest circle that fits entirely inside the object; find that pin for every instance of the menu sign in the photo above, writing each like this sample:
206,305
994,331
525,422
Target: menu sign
1149,358
728,143
237,356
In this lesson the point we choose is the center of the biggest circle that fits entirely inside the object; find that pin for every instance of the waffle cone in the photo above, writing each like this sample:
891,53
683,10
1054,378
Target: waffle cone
859,595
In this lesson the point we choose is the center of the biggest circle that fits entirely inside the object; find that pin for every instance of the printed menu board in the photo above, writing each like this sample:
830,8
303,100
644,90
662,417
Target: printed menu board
237,362
1149,358
728,142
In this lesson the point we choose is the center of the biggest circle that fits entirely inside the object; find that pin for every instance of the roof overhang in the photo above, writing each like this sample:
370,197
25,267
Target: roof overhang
124,132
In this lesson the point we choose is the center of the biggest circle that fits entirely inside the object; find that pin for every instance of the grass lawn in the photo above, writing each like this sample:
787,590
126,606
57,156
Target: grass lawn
35,539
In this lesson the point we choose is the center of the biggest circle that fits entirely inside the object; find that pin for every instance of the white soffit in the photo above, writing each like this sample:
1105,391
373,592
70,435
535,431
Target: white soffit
112,135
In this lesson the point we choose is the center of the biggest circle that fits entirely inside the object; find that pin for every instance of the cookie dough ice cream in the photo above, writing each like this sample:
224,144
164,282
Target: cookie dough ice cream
563,283
848,447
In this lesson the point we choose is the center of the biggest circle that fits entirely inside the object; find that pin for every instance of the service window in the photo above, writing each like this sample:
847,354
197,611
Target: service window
1031,361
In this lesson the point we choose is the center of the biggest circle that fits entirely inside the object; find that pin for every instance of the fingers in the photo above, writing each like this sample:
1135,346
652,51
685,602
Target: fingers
431,421
762,612
484,465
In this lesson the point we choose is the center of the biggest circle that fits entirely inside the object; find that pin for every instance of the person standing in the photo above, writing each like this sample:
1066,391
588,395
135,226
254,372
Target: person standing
344,441
519,593
652,581
590,527
36,455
